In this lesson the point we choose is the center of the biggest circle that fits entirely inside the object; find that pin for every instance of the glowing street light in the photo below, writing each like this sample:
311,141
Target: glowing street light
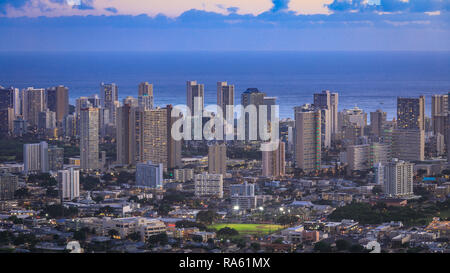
236,207
261,208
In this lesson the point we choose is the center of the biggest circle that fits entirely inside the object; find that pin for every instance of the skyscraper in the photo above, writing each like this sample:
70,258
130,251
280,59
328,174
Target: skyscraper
33,104
109,97
307,138
217,159
195,90
330,101
126,135
151,136
149,175
10,98
377,120
273,162
411,113
252,96
398,178
7,118
225,96
89,139
46,120
8,186
408,145
173,146
55,158
69,184
439,115
145,95
58,101
35,157
269,102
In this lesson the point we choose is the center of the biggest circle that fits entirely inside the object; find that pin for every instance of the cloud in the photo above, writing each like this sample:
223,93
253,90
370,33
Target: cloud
390,5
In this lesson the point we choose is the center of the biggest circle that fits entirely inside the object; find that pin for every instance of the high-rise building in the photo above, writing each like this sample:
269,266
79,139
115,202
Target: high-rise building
145,95
7,118
55,158
355,116
439,104
217,159
330,101
69,126
379,153
439,119
273,162
243,196
33,103
411,113
69,184
252,96
398,178
270,102
46,120
145,89
195,90
377,120
408,145
358,157
8,186
308,138
58,101
126,135
35,157
367,156
109,97
173,146
151,136
149,175
208,185
225,97
89,139
10,98
184,175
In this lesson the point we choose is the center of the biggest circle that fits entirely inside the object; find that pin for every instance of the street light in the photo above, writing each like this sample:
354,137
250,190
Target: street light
261,208
236,207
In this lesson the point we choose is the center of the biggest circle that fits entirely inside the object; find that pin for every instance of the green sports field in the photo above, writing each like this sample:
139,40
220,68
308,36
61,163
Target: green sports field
257,229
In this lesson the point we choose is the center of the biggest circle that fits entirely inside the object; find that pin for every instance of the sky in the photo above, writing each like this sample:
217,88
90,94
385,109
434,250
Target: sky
224,25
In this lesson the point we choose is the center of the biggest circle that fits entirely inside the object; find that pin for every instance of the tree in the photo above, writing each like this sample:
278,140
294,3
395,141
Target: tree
322,247
79,235
135,236
287,220
357,248
342,245
227,232
113,232
59,211
207,217
21,193
255,246
159,239
190,224
197,238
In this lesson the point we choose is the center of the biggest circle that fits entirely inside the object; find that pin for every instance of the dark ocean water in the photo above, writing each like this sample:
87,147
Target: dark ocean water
370,80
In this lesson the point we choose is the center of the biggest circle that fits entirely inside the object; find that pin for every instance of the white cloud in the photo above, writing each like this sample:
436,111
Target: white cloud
310,6
170,8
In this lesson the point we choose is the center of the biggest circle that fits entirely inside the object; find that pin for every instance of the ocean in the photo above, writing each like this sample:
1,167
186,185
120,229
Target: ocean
369,80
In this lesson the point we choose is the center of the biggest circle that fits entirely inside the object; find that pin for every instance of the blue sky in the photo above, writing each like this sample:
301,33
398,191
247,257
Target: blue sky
160,25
